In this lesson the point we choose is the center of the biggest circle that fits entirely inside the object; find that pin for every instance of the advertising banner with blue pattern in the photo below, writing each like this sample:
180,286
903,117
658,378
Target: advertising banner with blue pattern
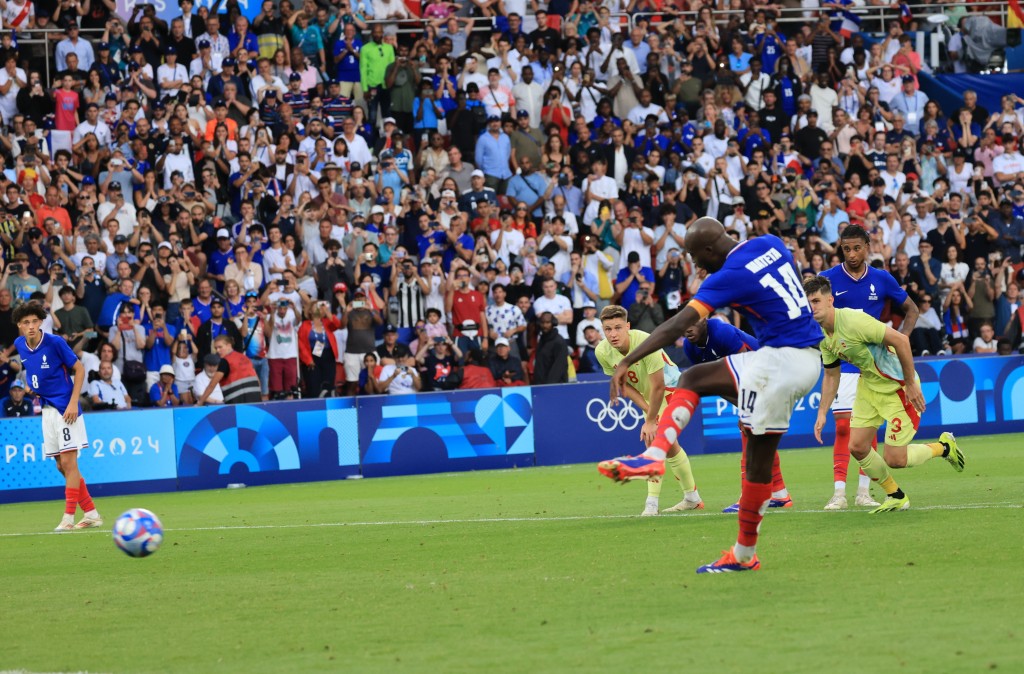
450,431
267,443
119,452
575,424
968,394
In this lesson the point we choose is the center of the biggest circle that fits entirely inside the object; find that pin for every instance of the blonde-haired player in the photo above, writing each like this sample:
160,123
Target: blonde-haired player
647,382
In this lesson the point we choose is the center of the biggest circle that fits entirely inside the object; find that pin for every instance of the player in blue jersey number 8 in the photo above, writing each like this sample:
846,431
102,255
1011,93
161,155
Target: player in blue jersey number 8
55,374
759,278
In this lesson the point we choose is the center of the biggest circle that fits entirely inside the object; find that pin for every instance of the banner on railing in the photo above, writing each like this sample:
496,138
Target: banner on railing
268,443
456,430
326,439
138,451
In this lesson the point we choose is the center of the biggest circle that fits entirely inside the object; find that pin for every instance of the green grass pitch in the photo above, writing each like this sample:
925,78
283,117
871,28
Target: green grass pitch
535,570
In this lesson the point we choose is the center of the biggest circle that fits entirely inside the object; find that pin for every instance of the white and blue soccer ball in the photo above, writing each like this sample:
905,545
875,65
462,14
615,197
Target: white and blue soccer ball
138,532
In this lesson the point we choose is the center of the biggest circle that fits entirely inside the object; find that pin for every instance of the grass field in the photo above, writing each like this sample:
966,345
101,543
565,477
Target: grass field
537,570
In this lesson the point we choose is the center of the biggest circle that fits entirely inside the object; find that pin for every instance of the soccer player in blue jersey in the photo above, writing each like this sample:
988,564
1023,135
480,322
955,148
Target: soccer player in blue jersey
857,285
759,278
53,372
712,339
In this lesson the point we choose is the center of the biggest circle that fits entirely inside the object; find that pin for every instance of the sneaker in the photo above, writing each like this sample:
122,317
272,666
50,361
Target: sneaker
892,504
837,502
864,499
955,455
650,508
926,352
786,502
89,522
626,468
66,525
728,563
685,505
733,509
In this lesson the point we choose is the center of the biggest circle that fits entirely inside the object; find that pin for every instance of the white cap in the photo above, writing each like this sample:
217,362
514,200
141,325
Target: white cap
448,193
223,233
165,244
166,369
500,341
376,209
391,120
477,174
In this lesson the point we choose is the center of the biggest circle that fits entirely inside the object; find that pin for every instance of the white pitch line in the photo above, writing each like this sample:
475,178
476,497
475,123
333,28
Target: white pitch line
500,520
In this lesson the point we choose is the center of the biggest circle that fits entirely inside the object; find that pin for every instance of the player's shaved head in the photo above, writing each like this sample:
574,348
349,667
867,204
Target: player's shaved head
708,244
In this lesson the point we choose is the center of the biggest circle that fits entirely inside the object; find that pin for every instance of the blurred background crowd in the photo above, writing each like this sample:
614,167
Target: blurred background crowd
355,197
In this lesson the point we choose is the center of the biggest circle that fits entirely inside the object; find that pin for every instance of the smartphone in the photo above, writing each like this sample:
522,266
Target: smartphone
90,334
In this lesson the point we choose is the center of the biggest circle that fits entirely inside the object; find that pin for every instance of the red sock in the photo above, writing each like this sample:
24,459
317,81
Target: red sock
743,455
84,500
681,403
778,484
753,503
841,450
70,500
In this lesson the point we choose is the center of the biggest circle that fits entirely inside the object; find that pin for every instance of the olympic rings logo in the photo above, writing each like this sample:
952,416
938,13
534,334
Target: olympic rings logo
626,416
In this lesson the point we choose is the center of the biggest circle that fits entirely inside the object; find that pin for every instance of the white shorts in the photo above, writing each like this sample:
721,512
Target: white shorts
353,365
769,382
847,392
58,437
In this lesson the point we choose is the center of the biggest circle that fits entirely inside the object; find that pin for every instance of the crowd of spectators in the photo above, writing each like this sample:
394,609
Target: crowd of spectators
315,203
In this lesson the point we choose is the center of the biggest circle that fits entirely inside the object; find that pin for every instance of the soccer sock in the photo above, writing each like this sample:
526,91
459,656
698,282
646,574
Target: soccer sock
84,500
918,454
753,503
680,466
677,414
877,470
70,500
653,487
841,453
743,454
778,484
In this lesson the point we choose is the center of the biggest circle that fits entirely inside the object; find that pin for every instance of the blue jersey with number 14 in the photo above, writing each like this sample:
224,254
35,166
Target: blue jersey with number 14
49,370
869,294
759,279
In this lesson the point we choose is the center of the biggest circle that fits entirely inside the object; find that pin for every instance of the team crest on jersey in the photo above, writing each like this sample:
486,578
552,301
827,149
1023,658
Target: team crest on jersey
873,295
45,365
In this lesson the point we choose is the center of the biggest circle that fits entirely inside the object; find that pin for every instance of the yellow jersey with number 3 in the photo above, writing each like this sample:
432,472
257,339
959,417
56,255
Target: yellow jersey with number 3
638,376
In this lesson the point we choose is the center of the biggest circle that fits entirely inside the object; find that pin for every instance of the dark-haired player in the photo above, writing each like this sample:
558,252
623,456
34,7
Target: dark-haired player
857,285
53,372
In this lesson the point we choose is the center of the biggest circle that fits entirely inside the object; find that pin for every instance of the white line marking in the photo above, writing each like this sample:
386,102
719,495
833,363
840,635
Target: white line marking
500,520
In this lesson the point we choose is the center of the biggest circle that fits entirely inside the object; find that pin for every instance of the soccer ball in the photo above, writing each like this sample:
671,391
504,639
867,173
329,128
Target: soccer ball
138,532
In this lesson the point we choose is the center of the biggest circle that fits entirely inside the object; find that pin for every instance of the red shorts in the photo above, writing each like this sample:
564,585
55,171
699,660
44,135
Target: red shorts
284,374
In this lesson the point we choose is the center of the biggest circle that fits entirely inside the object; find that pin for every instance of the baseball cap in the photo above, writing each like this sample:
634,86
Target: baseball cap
223,233
204,44
376,209
171,49
271,94
389,328
216,300
448,193
88,180
295,77
165,244
908,78
477,174
17,383
389,120
494,118
103,46
340,288
500,341
211,359
167,369
523,113
229,61
120,238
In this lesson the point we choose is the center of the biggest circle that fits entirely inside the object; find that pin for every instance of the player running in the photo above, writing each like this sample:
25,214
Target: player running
759,278
53,372
712,339
888,392
647,382
860,286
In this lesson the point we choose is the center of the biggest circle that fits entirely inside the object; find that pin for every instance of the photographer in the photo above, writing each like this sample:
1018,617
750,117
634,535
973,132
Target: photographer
400,378
645,313
439,362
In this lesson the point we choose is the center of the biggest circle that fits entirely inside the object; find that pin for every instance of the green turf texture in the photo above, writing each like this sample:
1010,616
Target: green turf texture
935,589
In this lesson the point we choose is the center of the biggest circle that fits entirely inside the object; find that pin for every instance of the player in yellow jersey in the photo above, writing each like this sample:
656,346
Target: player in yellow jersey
647,382
888,392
